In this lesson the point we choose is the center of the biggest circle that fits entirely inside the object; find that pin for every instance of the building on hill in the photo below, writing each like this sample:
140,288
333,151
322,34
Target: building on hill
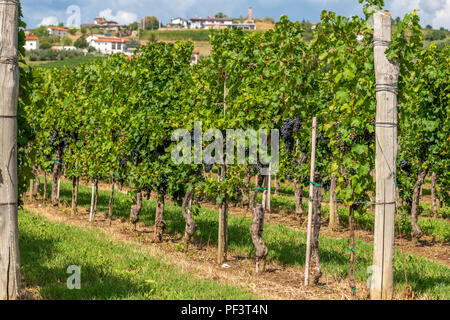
210,23
213,23
178,23
102,23
63,48
57,31
31,43
107,44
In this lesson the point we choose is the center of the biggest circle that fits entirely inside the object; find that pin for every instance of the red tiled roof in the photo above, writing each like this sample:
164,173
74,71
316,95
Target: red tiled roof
58,28
31,38
111,39
211,19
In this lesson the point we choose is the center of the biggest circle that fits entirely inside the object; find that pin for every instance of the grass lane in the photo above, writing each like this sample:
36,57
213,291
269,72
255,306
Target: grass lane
109,270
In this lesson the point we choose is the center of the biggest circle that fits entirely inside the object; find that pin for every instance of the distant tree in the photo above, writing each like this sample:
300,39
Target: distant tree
83,30
81,43
55,39
67,41
61,24
220,15
397,20
435,35
428,27
150,23
73,31
45,43
42,31
269,19
134,26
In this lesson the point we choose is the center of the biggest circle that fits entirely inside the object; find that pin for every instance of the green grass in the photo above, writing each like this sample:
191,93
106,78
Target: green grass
286,245
436,228
175,35
72,62
109,270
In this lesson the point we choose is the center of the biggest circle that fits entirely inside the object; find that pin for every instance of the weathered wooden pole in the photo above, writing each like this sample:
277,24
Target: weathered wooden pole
311,196
9,91
269,188
91,212
223,207
386,73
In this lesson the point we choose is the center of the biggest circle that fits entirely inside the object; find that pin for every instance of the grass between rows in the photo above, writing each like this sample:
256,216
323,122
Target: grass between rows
109,270
439,229
287,246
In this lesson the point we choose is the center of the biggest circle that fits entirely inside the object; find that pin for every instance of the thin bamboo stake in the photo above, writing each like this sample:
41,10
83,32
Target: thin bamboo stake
91,216
310,207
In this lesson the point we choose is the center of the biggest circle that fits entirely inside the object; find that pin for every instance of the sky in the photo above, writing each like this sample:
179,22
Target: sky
36,12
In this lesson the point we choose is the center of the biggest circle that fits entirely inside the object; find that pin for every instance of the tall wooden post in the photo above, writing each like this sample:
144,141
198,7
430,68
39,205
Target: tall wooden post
311,196
9,90
223,208
386,73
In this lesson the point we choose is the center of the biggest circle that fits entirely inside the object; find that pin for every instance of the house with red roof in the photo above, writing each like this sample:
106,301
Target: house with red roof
31,43
57,31
107,44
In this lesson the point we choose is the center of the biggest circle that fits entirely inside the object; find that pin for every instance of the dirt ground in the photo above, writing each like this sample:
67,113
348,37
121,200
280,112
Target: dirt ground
437,251
277,283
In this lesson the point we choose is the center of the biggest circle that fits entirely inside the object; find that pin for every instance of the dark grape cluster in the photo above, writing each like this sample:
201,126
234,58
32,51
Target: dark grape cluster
406,168
136,156
146,192
123,163
408,200
57,142
161,187
326,185
236,197
208,167
288,129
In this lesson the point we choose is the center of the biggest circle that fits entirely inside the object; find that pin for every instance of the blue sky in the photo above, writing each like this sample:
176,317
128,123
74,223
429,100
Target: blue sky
433,12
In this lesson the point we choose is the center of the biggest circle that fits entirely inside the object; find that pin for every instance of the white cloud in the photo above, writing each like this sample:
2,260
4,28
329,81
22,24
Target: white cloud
442,17
49,21
433,12
122,17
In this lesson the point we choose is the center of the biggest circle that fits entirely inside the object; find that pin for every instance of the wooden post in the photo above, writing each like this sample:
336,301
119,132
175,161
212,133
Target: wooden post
386,73
59,187
334,215
9,90
433,194
91,216
223,207
269,188
311,196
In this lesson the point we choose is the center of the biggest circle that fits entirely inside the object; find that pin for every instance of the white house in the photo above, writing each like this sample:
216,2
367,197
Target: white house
63,48
207,23
31,43
57,31
108,45
179,23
